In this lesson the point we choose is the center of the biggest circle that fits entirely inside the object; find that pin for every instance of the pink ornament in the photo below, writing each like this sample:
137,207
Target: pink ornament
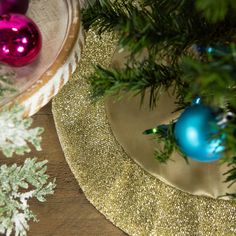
13,6
20,40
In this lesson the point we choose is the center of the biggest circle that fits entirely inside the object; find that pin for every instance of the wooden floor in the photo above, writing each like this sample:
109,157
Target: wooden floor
67,212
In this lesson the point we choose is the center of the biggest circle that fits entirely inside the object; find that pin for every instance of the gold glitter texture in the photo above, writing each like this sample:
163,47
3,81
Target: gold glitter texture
132,199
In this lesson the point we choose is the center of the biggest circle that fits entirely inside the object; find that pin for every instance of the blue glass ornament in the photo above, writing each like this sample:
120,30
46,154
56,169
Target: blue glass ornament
193,133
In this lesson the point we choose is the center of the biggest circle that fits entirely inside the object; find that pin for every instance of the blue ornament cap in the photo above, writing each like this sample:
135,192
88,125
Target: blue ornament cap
196,101
193,132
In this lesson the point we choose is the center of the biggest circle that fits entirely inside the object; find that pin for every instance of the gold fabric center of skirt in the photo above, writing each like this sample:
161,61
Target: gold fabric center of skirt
128,120
126,194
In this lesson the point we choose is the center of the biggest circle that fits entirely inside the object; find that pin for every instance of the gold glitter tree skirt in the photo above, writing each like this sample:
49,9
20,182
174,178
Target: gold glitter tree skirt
132,199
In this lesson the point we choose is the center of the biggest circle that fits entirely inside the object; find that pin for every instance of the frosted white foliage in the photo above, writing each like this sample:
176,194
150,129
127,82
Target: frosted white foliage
18,184
15,132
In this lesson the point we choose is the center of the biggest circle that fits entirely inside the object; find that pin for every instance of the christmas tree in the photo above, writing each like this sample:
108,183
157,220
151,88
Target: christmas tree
190,46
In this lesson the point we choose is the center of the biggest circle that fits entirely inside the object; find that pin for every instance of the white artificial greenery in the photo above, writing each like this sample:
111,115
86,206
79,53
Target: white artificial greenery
15,132
18,184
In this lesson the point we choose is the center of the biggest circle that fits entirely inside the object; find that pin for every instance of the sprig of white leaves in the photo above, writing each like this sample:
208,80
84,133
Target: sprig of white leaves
15,132
17,185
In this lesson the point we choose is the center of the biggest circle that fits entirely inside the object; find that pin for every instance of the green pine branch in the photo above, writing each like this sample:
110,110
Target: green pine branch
123,17
138,78
216,10
213,80
173,26
164,135
167,27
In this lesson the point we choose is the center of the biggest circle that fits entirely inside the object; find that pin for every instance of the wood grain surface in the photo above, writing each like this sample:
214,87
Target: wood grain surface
67,212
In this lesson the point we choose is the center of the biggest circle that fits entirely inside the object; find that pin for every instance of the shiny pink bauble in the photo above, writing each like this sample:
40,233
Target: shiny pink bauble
13,6
20,40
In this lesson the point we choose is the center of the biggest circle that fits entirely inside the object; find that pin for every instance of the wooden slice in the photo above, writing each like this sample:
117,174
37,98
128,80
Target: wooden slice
60,25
